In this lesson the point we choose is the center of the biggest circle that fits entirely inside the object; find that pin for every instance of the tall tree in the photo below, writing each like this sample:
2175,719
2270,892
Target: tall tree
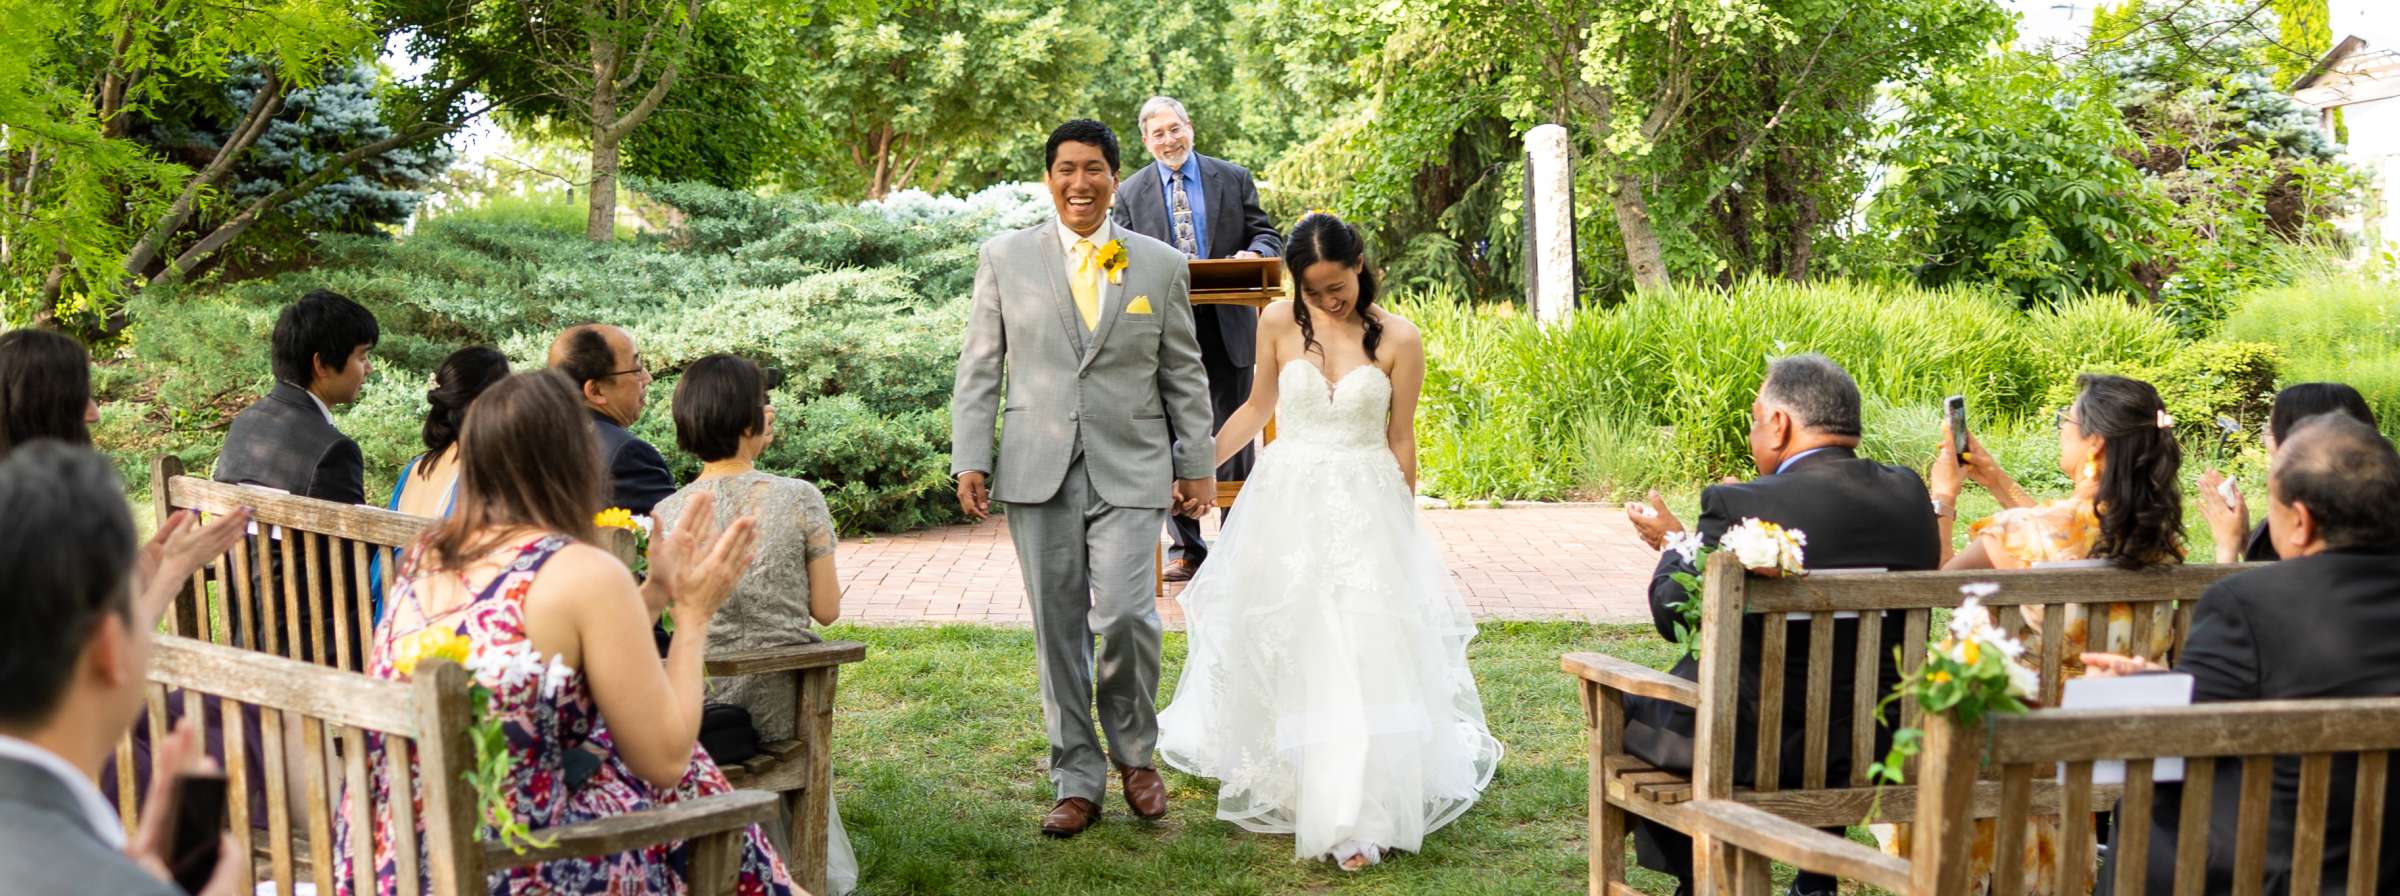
934,93
598,67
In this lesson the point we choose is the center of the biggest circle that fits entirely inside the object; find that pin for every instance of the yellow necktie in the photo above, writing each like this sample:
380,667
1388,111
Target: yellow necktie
1085,283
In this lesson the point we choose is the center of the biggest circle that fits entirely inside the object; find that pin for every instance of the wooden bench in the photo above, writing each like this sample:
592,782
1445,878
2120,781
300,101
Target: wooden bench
2038,748
1622,785
315,532
336,711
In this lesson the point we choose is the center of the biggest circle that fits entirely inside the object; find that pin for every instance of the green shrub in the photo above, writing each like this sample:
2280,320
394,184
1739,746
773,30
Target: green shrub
860,305
2344,330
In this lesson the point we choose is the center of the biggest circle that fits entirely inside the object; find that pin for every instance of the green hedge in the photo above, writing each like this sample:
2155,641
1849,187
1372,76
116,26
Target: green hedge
861,306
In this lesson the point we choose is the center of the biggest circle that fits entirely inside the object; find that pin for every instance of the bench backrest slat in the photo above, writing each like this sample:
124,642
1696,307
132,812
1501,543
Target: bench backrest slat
1812,614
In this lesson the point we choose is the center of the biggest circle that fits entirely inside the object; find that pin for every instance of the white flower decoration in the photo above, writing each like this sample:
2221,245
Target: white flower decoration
1765,546
1687,544
2021,680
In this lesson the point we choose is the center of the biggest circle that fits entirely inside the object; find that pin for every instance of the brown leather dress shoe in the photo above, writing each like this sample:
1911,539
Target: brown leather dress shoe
1181,571
1070,817
1145,792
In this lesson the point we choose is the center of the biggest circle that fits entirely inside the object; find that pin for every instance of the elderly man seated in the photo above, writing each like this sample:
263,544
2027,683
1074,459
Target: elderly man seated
604,362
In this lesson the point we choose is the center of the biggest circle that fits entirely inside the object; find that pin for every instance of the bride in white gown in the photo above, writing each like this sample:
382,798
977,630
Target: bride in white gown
1327,685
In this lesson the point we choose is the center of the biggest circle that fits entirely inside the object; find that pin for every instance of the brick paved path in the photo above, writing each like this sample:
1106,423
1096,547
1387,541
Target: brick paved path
1527,561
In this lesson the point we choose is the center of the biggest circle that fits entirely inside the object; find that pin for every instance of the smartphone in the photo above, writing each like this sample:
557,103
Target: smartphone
199,830
1956,407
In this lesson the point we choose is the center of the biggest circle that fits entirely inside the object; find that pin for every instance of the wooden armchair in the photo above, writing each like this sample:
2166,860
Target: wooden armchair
2309,741
1623,785
335,710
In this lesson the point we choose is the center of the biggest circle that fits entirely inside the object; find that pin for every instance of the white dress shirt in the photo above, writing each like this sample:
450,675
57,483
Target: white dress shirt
1067,240
97,813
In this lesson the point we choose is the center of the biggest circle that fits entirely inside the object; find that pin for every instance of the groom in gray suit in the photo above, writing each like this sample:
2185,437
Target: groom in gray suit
1090,327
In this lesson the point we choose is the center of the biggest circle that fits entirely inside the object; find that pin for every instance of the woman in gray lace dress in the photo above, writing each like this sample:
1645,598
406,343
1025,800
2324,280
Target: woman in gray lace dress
722,416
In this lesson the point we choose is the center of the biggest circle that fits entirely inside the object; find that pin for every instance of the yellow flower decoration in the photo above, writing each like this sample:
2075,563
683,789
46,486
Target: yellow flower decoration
430,644
616,518
1112,259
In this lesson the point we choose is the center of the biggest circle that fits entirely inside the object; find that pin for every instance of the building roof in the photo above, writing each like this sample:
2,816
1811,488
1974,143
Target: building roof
2347,75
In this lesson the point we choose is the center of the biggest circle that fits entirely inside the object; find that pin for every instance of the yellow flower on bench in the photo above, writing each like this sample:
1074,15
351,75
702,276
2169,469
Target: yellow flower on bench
430,644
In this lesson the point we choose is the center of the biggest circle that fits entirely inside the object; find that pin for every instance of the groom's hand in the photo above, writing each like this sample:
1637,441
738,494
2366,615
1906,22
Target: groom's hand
974,495
1194,497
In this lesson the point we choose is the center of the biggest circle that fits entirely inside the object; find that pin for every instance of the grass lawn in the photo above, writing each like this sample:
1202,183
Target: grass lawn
939,769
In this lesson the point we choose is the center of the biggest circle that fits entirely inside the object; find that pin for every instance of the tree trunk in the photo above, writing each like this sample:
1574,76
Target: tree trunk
1643,252
601,224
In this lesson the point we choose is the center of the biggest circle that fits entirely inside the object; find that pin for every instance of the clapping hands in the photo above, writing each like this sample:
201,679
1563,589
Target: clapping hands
180,548
699,561
1653,521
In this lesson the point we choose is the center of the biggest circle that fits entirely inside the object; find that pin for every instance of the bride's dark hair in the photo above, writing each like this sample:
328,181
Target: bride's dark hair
1322,237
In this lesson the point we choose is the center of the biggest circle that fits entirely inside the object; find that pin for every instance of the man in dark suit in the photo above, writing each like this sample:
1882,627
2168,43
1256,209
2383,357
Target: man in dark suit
73,653
1207,208
288,441
605,363
2321,622
1804,431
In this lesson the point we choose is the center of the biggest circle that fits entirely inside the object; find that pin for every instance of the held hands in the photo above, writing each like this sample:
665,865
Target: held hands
179,549
2107,665
176,756
974,495
700,562
1193,497
1245,253
1653,521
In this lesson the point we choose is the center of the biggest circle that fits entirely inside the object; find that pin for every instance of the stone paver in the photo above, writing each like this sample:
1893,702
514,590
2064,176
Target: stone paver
1522,562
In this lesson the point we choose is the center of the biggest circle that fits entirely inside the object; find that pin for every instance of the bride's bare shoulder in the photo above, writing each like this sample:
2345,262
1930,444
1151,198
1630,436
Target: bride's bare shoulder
1278,313
1397,330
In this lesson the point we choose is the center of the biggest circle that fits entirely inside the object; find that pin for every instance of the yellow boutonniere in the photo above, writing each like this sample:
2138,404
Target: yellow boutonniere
1112,259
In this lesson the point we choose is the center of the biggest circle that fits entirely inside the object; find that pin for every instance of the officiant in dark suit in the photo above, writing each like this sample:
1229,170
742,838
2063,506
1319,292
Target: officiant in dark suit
1205,208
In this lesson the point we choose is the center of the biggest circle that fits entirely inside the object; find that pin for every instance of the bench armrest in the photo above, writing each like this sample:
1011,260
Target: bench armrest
684,820
1760,832
1626,676
787,659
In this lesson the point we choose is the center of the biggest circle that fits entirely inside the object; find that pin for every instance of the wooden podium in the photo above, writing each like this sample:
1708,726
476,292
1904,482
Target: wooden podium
1256,282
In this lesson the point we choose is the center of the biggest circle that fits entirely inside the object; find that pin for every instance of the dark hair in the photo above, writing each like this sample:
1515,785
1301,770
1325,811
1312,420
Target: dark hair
2140,504
588,357
1081,130
324,325
527,457
66,554
720,398
1817,391
45,384
2305,400
2348,477
1322,237
462,376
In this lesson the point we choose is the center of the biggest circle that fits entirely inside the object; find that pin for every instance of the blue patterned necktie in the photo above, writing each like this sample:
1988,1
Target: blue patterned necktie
1185,240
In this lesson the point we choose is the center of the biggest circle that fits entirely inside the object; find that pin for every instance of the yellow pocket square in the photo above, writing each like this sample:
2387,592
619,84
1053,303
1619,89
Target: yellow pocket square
1139,305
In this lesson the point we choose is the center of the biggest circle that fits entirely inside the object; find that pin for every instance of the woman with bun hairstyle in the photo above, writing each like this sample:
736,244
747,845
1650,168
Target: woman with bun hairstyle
428,484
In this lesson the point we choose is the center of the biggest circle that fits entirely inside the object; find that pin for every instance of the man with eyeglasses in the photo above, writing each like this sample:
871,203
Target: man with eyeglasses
604,362
1206,208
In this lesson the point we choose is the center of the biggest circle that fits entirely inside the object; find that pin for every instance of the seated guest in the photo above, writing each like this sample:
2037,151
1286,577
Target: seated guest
722,416
2317,624
511,571
45,389
73,652
2117,443
288,441
606,366
2229,517
428,484
1804,432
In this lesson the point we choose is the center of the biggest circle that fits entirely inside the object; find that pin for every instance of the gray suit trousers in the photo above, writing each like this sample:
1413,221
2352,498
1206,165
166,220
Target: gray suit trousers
1089,568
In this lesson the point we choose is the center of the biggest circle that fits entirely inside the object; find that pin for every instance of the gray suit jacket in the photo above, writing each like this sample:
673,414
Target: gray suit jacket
48,849
282,441
1236,222
1107,394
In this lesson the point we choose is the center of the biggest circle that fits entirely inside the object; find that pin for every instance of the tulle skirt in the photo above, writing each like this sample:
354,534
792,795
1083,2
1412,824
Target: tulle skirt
1327,686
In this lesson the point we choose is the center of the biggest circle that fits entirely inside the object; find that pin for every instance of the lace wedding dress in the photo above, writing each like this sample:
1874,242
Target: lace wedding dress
1327,685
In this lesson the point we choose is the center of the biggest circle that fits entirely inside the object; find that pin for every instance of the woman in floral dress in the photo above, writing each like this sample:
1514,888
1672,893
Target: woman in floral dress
2118,445
560,634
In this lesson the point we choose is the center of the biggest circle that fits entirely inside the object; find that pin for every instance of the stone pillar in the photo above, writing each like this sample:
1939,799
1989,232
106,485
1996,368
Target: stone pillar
1550,223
